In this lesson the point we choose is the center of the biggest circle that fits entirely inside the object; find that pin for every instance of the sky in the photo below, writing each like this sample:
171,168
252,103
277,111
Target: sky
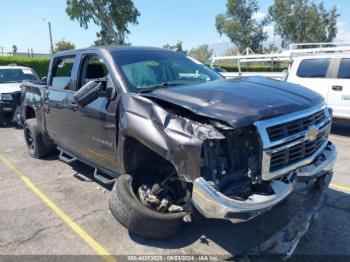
24,23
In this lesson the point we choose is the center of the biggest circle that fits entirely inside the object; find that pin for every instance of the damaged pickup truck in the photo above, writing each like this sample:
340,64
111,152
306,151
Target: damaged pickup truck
174,137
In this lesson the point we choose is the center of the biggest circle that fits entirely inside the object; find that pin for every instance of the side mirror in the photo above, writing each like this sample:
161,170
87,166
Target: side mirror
284,75
44,79
88,93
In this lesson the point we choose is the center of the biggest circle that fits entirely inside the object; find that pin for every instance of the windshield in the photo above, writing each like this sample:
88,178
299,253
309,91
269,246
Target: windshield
145,71
16,75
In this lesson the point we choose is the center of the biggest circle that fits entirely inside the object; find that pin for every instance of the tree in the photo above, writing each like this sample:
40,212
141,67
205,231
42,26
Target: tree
63,45
231,52
300,21
240,26
177,47
104,38
14,49
202,53
112,16
271,48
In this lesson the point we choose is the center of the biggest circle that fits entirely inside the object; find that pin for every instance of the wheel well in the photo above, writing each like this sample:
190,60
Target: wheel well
139,159
29,113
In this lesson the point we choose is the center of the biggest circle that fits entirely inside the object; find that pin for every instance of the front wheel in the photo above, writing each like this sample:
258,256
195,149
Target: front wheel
138,218
36,144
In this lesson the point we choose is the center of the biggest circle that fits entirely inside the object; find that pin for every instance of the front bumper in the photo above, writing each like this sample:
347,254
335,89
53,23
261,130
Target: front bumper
213,204
8,111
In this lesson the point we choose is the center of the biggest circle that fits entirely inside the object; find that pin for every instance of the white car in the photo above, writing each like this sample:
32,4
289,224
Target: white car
328,75
11,78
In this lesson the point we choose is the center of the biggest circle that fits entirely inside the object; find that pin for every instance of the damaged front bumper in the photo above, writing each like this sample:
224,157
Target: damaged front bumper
213,204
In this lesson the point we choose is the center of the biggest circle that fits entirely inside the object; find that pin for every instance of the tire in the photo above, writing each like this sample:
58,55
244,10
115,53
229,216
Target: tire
35,141
139,219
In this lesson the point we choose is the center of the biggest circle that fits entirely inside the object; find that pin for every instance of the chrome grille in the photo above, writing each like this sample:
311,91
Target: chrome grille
296,153
293,127
294,140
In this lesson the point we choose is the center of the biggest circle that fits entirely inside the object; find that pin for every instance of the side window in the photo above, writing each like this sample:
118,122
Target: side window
316,68
344,68
93,68
62,71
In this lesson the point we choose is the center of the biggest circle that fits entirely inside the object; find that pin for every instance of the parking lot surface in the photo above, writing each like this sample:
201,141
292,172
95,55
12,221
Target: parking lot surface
48,207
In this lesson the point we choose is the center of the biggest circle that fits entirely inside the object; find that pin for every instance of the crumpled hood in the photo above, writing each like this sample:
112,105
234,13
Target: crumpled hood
6,88
241,101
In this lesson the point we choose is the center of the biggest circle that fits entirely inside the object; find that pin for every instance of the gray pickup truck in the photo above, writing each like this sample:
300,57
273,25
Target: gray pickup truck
174,137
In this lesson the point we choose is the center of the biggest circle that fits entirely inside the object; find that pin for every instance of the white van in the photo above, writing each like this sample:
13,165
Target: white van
328,75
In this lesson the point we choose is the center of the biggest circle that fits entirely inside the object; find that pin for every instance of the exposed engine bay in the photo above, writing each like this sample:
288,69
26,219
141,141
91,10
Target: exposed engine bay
233,164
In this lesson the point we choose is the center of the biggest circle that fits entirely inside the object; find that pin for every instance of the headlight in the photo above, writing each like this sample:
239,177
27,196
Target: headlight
6,97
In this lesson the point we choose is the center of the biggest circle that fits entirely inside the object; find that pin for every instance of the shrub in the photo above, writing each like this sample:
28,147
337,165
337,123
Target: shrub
40,65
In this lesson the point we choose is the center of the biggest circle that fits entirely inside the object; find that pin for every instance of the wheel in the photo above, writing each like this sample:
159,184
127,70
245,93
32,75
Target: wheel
138,218
36,144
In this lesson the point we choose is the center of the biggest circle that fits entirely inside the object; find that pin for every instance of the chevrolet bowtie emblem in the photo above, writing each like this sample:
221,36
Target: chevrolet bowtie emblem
312,134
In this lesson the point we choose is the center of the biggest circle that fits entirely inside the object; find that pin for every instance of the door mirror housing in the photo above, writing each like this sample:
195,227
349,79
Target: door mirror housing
88,93
285,74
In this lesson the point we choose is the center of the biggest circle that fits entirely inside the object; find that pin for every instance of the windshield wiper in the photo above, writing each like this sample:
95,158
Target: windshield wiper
162,85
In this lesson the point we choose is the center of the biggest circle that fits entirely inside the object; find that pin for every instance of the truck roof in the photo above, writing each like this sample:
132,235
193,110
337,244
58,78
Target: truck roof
115,49
316,56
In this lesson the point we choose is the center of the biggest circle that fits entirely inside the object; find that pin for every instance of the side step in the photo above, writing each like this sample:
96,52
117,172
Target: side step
104,178
66,157
101,176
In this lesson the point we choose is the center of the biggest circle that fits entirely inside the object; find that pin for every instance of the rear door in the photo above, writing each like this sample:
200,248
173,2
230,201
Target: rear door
61,83
313,73
339,90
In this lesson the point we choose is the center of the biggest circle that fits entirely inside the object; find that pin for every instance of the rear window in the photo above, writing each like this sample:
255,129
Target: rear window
313,68
344,68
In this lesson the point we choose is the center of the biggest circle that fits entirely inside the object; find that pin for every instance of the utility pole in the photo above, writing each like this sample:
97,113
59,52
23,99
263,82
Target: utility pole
50,35
2,51
50,32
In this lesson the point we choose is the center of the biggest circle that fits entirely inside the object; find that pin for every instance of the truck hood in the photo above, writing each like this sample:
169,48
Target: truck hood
240,101
6,88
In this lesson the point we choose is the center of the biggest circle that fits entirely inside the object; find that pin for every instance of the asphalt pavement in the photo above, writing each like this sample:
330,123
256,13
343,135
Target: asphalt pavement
51,208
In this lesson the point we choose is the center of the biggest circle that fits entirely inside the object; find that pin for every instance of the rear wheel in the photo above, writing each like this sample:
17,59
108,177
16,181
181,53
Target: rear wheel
36,144
140,219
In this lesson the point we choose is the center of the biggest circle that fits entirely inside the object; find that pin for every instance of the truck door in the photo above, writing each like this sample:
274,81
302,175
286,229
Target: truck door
312,73
61,83
339,90
93,129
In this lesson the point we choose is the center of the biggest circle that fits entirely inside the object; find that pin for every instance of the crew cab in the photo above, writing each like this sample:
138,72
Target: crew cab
328,75
11,78
173,136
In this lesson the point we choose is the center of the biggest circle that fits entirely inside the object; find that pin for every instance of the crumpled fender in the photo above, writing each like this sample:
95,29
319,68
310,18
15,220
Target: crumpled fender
177,139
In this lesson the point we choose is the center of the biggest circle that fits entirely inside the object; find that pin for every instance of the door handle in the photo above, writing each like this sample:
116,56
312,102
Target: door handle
337,88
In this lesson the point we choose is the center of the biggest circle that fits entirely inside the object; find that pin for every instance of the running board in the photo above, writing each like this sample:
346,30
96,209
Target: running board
104,178
65,157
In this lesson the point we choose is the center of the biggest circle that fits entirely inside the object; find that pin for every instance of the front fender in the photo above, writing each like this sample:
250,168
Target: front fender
177,139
